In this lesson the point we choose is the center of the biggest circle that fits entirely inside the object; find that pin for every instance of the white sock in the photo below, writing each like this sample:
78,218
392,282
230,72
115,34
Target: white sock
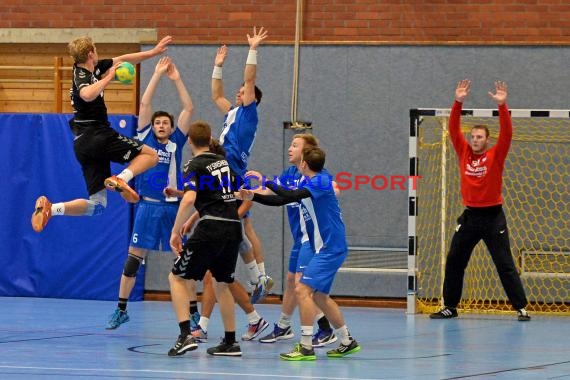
253,317
253,272
284,321
261,267
58,209
307,336
126,175
204,323
343,334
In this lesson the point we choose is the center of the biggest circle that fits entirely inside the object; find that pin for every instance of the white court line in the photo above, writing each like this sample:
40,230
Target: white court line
181,372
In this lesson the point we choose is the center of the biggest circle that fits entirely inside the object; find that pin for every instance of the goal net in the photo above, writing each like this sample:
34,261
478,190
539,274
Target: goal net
536,192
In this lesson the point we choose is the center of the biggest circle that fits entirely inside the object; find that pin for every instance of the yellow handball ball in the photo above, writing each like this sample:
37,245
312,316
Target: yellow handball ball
125,73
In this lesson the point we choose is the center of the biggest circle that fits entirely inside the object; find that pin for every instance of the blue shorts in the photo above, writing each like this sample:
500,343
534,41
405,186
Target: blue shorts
322,269
153,225
293,259
302,257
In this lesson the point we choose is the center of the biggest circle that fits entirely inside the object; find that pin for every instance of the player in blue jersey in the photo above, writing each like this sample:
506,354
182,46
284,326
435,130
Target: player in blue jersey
328,240
237,138
301,251
156,211
96,144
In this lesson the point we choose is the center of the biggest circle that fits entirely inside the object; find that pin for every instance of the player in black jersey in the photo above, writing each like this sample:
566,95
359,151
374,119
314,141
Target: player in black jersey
213,245
96,144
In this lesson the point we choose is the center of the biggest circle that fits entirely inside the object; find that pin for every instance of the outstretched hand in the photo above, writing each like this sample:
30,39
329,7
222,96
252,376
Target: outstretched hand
172,72
500,95
162,65
162,45
221,55
462,90
255,39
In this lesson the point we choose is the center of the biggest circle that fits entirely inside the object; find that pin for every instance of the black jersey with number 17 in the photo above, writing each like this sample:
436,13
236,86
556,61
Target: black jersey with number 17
209,175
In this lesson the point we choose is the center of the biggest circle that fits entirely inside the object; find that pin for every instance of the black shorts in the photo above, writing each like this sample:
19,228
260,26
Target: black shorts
96,147
219,257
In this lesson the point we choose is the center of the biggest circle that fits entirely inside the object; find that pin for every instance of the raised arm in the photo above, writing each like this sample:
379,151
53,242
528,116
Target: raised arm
140,56
218,96
457,138
187,106
506,126
145,107
250,71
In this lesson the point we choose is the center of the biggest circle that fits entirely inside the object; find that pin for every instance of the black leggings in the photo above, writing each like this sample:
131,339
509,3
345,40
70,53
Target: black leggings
489,224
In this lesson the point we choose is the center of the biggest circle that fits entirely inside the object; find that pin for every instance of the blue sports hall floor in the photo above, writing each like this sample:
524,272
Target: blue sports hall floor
66,339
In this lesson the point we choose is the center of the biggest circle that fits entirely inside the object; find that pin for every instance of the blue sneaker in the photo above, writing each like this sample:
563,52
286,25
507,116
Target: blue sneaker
261,289
117,318
323,338
194,321
277,334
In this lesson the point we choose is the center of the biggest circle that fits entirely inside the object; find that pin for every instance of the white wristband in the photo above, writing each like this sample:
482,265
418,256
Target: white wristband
217,73
251,58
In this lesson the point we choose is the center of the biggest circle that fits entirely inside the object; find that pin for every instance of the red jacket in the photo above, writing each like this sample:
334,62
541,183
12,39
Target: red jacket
481,174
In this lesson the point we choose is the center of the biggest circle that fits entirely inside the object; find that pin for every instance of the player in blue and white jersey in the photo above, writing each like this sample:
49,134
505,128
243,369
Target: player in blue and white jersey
156,211
301,251
328,239
237,138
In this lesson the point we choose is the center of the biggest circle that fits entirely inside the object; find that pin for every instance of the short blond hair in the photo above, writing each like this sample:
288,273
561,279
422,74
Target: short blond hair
80,48
308,139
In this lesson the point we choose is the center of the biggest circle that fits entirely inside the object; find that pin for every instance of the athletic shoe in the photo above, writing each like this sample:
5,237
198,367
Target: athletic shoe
225,349
42,214
278,334
200,335
182,345
261,289
445,313
522,315
324,337
344,350
117,318
253,330
194,321
115,183
299,353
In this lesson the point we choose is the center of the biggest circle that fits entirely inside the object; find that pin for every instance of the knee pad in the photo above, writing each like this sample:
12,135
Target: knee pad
96,203
132,265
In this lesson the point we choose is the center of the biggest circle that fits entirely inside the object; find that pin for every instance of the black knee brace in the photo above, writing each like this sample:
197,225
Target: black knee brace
132,265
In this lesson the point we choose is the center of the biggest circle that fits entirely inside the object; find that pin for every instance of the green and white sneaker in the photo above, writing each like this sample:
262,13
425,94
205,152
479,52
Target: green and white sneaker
344,350
299,353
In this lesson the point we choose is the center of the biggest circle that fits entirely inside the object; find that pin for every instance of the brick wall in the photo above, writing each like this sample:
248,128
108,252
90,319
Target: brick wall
324,21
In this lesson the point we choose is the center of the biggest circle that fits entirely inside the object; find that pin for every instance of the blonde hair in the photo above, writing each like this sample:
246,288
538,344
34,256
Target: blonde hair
308,139
80,48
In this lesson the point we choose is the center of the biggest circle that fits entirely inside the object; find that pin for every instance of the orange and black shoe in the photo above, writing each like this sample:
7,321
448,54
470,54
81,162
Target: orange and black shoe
115,183
42,214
